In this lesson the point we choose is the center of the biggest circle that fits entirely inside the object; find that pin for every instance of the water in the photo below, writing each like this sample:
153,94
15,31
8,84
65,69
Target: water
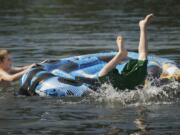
34,30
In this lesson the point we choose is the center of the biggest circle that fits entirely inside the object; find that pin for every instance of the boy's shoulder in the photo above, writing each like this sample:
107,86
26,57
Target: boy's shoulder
3,74
3,79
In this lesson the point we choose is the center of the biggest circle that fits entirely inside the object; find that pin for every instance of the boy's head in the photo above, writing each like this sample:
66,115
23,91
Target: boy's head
5,59
154,71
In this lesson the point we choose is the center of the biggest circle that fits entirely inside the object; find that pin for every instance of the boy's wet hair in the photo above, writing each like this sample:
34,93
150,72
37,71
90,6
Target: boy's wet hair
154,71
3,54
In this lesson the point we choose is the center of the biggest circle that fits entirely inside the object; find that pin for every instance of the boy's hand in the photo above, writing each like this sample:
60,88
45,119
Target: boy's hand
32,65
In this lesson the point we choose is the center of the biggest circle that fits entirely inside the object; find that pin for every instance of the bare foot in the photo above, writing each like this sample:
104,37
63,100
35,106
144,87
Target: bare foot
120,44
146,21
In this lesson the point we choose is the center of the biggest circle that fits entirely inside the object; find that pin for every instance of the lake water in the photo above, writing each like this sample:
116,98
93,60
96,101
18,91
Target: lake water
35,30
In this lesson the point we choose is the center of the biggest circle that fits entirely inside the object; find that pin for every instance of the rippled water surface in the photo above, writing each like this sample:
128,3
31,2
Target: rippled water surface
34,30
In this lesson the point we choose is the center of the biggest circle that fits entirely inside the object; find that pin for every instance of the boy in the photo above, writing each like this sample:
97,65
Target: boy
135,71
7,72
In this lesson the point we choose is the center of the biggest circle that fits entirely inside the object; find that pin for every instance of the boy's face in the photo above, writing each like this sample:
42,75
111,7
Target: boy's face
7,62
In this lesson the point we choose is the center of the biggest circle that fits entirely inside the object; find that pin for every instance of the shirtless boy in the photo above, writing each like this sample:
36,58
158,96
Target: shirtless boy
7,72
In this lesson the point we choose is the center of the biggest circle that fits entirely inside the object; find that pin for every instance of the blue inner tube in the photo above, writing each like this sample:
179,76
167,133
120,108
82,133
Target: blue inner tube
70,76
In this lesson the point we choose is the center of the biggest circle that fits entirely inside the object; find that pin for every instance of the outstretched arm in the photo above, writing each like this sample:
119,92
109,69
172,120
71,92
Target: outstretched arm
15,70
7,77
18,72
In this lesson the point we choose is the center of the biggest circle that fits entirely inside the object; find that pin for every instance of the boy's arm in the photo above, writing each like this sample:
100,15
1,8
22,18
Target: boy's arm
7,77
16,69
19,69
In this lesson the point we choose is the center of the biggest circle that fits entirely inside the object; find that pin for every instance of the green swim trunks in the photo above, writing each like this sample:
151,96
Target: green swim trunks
132,75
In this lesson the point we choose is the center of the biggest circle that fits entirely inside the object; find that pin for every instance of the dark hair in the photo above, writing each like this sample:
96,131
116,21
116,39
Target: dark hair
154,71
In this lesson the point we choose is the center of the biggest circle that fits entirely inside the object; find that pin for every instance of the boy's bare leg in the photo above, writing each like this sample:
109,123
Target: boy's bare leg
143,45
122,53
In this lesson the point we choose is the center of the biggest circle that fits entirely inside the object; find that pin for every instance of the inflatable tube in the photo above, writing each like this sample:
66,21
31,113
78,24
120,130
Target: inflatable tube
69,76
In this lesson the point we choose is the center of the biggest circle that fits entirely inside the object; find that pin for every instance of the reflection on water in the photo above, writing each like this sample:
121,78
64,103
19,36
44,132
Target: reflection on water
35,30
140,121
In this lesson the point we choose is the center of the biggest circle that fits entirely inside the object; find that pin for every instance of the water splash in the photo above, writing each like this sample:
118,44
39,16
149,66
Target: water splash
165,94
